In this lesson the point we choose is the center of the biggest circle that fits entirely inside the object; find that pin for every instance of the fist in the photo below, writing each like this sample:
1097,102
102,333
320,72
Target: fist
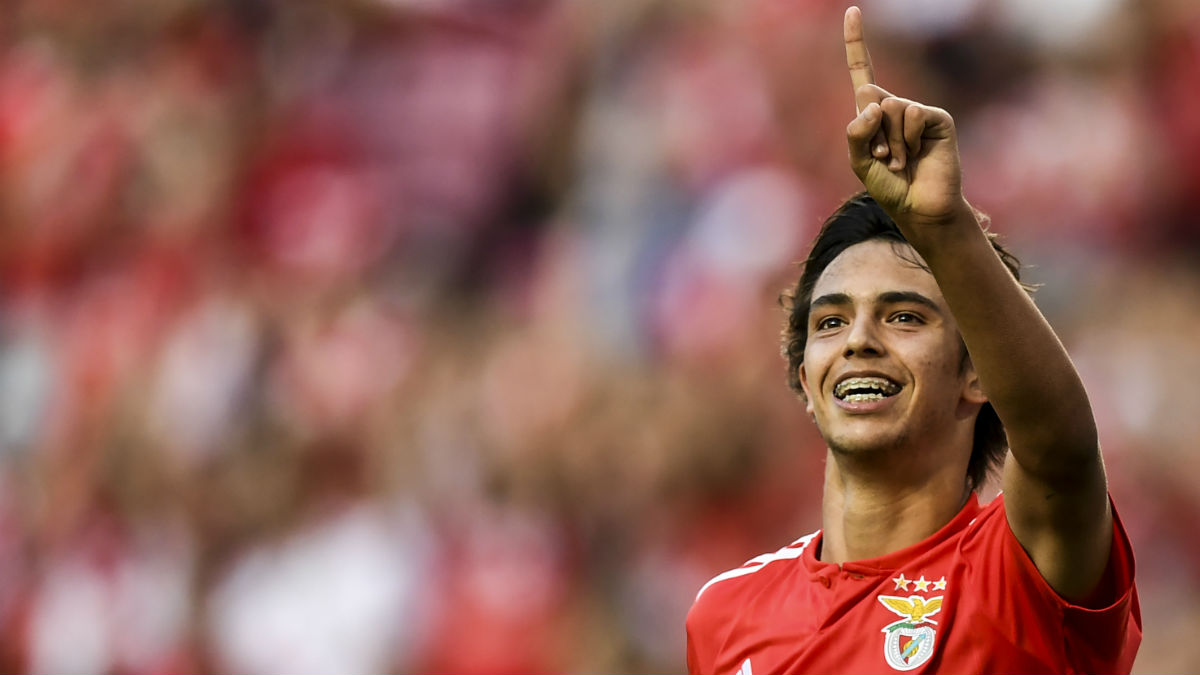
904,152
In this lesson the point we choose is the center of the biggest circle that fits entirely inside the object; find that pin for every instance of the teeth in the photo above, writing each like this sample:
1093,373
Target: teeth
883,387
864,398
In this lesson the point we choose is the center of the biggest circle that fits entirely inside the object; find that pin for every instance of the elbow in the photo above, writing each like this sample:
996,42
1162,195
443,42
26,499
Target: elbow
1058,451
1061,462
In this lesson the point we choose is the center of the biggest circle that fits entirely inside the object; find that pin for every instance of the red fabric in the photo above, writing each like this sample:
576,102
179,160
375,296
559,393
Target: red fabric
787,612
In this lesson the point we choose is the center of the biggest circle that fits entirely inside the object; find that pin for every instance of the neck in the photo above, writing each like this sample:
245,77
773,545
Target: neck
870,516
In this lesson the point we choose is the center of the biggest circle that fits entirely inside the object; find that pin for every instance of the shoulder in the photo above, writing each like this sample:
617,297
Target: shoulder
989,541
726,594
1101,633
723,602
790,552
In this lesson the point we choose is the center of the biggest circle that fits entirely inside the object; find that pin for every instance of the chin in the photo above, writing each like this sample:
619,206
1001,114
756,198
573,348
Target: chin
866,443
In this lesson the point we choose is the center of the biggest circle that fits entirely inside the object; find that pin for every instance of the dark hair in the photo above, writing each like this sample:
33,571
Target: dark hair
861,219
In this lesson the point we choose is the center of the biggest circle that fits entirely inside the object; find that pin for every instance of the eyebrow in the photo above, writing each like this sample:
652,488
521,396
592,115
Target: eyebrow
887,298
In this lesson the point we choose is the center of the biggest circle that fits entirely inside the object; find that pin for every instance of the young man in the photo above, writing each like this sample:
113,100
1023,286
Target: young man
912,340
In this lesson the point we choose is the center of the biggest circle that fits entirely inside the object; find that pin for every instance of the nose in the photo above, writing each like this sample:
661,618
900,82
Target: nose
863,339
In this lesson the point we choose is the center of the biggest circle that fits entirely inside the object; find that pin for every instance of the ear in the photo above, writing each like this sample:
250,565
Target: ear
972,387
808,397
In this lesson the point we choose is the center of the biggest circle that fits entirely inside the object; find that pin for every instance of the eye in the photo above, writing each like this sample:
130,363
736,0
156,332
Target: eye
907,317
830,322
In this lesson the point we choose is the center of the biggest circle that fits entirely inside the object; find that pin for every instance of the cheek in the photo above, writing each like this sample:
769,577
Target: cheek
814,367
937,366
942,376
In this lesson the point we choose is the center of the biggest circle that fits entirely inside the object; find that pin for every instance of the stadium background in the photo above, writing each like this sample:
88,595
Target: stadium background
440,335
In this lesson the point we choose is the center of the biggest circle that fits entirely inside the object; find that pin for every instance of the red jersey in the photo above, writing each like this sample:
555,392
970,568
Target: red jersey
965,600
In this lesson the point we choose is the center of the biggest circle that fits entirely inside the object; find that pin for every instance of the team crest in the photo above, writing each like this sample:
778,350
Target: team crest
909,642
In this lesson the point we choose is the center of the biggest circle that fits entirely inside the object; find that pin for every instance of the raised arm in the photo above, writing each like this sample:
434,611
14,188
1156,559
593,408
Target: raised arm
906,155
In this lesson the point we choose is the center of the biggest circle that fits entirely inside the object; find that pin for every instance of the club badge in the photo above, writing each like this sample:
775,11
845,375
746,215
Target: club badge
909,642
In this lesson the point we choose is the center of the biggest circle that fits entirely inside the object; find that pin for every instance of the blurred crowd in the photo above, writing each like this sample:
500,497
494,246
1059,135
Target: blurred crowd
362,336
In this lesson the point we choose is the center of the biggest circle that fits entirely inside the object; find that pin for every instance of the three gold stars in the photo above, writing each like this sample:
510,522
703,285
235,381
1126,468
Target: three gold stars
921,584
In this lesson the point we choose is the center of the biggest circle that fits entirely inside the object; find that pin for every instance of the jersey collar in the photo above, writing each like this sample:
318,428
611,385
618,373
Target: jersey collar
892,561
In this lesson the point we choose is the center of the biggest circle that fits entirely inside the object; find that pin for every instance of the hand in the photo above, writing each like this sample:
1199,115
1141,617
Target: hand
905,153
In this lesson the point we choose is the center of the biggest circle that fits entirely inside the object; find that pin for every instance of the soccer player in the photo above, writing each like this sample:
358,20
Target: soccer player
918,352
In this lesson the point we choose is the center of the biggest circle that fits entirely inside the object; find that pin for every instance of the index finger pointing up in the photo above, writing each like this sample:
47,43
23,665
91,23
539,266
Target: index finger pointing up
857,57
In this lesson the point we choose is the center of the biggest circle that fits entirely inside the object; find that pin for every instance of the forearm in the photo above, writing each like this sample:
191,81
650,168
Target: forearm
1024,368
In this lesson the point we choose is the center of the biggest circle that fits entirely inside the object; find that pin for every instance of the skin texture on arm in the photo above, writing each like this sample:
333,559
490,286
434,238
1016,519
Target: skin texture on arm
906,155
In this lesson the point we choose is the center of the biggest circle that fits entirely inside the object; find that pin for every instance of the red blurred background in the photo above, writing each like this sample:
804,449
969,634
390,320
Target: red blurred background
441,335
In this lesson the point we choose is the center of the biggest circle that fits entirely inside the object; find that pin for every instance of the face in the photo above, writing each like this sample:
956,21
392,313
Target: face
883,366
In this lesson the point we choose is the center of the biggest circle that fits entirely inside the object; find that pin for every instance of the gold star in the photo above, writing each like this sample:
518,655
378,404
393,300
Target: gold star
940,584
901,582
921,584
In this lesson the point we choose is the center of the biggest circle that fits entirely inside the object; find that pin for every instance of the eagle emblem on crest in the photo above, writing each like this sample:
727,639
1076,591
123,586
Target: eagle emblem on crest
913,607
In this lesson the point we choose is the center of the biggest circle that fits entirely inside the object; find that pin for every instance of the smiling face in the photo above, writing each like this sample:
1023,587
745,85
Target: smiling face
883,365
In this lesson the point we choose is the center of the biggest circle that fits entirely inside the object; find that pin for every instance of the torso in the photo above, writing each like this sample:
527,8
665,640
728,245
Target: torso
966,599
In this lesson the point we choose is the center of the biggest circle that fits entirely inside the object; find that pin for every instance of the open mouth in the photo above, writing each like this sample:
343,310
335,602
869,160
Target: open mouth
865,389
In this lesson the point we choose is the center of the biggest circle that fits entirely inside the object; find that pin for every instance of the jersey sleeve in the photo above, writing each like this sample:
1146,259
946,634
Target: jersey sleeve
1104,635
693,659
695,628
1101,635
709,626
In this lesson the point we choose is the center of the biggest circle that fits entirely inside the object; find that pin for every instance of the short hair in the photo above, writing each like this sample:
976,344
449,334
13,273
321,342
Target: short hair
860,219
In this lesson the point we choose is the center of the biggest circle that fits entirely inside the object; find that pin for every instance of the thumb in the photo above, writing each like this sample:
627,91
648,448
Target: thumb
859,135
